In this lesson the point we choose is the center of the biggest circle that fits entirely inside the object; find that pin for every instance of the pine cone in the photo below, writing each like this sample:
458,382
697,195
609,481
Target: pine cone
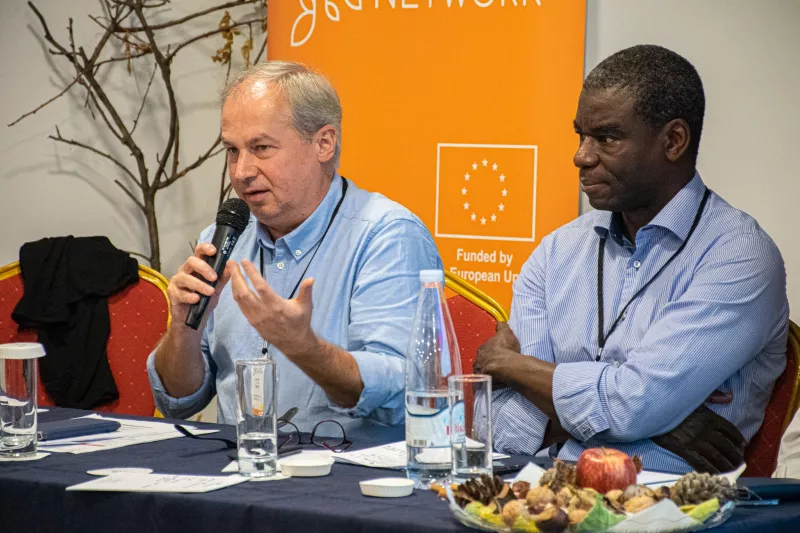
560,476
695,488
483,490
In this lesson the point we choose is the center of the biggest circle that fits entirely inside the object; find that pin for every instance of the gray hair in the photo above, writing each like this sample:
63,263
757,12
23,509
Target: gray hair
312,99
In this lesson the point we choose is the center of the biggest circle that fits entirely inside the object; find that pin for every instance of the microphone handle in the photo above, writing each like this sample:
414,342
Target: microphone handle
224,240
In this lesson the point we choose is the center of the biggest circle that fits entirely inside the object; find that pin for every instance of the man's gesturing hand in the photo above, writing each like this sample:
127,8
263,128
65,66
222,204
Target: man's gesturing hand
286,324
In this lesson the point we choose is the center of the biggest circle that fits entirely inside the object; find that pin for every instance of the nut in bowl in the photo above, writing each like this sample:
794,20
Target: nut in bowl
560,503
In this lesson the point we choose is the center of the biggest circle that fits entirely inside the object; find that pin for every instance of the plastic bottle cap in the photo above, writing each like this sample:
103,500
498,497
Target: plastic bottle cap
431,276
21,350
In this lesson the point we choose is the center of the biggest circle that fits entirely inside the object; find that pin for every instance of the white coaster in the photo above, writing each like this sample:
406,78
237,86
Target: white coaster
39,455
119,470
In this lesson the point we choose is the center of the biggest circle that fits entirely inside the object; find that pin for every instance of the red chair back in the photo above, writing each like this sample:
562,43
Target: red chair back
139,316
475,316
761,455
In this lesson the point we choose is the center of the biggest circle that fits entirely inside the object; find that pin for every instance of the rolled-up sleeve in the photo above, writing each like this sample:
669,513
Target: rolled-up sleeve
187,406
735,304
519,425
382,310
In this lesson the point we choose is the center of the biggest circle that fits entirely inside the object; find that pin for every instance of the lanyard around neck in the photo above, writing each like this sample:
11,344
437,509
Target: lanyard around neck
601,338
265,349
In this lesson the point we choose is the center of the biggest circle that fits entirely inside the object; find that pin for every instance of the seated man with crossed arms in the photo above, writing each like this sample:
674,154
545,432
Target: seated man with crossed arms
626,322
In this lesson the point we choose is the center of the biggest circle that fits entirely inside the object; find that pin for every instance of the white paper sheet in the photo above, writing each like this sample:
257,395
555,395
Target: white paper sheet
158,483
656,479
394,455
663,516
532,473
130,432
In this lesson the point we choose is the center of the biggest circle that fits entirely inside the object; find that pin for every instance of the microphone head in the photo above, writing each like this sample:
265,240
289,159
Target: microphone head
234,213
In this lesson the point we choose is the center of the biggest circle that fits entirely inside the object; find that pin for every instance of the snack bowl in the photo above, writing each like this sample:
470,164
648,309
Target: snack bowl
387,487
306,467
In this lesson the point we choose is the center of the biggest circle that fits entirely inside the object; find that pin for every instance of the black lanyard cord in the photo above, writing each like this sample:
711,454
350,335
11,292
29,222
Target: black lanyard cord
602,339
265,349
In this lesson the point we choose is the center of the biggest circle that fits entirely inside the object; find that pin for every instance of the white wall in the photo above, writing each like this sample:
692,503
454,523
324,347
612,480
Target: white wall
748,55
746,52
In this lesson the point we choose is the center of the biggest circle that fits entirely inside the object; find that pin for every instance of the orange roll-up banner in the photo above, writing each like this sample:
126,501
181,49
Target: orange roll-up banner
461,110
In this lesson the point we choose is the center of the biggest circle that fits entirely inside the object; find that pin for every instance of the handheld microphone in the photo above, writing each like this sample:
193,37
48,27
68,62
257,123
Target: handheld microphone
232,218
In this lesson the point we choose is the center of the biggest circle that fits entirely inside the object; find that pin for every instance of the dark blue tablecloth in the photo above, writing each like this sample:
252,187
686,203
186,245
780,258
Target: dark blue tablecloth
32,496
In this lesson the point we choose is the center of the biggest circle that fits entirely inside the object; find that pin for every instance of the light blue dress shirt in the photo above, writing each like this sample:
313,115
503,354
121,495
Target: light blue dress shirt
715,318
365,294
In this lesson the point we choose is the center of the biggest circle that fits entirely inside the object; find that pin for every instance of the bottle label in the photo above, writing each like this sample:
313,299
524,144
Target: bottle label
427,427
458,424
257,393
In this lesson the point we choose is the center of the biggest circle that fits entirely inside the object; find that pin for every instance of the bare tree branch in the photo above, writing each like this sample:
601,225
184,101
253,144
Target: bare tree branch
139,39
138,203
211,152
79,144
223,188
176,148
85,71
91,97
56,97
166,75
144,99
122,58
261,50
209,34
187,18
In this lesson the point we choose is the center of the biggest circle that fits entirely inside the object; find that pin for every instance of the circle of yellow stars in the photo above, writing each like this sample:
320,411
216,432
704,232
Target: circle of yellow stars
465,190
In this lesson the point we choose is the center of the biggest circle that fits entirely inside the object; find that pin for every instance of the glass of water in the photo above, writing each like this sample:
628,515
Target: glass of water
18,386
469,399
256,418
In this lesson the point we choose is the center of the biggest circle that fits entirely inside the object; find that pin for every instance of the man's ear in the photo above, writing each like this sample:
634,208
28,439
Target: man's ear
325,141
676,139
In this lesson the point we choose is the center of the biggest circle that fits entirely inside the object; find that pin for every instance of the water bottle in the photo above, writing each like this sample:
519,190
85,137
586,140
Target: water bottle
433,356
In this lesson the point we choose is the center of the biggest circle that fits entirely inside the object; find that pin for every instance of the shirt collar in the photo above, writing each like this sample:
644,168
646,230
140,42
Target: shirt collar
677,216
303,238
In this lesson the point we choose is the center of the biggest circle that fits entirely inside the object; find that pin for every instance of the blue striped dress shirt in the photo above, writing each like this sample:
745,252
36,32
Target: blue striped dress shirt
715,318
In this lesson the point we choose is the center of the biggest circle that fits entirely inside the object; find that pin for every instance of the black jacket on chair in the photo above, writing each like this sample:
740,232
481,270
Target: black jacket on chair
67,282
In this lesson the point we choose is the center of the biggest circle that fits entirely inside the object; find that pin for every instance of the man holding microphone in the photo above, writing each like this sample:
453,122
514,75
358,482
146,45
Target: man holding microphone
333,270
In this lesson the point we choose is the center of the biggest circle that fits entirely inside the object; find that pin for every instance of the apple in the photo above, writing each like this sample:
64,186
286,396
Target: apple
605,469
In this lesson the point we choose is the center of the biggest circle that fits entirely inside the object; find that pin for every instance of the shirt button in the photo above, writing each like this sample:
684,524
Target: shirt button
616,364
280,265
637,264
297,253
